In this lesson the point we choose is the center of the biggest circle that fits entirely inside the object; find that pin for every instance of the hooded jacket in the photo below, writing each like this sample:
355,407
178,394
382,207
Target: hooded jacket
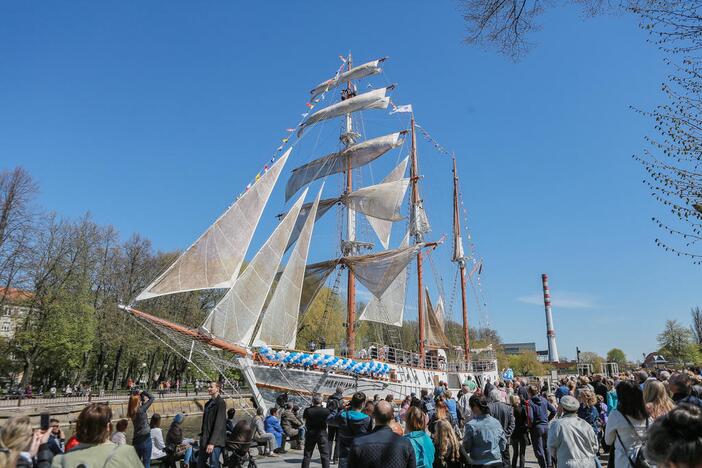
539,411
351,424
423,448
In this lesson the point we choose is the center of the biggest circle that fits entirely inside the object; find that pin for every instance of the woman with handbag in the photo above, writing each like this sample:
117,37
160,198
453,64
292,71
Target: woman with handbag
627,426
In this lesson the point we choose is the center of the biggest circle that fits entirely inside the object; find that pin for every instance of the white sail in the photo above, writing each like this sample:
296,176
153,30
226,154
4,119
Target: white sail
355,155
315,276
356,73
215,258
436,338
236,314
440,313
390,308
279,322
377,271
382,201
322,207
375,99
383,226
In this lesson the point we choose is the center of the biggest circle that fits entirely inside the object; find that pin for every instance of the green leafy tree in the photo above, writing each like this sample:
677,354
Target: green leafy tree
527,364
595,359
616,355
676,343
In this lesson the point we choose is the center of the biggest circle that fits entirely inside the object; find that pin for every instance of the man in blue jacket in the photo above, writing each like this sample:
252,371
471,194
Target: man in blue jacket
351,423
539,413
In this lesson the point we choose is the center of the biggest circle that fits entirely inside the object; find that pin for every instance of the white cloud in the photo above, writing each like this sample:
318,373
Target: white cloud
562,300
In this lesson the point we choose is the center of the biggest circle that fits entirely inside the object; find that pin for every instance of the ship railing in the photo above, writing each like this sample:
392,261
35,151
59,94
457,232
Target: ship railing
401,357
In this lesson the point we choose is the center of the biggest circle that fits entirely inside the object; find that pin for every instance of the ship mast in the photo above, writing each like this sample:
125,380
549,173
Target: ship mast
349,249
414,176
461,262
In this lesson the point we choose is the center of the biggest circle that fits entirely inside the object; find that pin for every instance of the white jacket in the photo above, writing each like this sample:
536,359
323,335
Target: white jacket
573,442
158,445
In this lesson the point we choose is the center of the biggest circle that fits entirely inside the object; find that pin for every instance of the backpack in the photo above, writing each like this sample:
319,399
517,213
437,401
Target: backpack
334,407
636,455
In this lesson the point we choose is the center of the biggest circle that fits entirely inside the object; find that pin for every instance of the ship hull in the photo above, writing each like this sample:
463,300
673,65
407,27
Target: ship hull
301,384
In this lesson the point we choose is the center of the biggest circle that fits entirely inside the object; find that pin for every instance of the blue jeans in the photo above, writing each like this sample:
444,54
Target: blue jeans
539,439
213,458
143,450
188,457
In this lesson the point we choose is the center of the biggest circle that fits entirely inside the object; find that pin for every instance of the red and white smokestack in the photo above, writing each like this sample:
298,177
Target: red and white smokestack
550,332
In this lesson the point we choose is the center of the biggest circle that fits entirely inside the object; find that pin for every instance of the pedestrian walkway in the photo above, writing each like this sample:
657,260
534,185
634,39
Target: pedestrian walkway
294,458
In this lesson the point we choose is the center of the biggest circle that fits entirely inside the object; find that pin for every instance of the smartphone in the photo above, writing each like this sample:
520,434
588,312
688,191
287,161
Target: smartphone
44,421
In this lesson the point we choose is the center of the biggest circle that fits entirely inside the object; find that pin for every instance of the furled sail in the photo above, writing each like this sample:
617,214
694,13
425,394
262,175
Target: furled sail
279,321
436,338
458,254
419,223
355,155
356,73
322,208
215,258
236,314
377,271
390,308
375,99
383,225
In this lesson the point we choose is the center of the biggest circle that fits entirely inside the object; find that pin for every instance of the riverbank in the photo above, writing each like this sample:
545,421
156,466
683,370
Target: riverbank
67,410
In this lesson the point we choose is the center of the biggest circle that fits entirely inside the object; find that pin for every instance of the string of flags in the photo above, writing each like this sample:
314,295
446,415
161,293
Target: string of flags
291,131
431,140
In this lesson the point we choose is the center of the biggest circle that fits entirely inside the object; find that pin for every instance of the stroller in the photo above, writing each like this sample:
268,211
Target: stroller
237,453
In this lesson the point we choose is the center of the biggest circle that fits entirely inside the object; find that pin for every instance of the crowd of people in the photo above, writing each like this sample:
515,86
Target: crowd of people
631,420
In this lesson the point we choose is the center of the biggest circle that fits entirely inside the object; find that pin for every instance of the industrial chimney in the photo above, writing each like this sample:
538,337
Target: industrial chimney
550,332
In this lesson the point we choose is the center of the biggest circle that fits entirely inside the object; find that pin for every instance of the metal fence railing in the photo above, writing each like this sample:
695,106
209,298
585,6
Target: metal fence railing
7,401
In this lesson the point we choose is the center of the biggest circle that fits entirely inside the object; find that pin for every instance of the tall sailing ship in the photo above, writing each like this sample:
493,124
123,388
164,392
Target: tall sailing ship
256,321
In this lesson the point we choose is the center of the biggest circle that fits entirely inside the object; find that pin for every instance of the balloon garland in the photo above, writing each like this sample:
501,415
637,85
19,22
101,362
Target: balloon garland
325,361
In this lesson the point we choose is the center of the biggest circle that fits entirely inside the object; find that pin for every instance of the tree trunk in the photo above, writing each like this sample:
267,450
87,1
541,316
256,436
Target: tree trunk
151,369
118,357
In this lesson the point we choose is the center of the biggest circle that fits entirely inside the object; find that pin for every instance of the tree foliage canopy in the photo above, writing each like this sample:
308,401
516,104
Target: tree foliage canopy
676,343
616,355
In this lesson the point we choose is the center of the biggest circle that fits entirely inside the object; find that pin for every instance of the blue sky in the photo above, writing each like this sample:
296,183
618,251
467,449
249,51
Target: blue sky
153,116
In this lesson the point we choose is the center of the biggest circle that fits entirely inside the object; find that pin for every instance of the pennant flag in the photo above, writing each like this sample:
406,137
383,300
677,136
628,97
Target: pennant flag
265,168
405,108
258,176
309,105
305,114
280,148
289,130
285,140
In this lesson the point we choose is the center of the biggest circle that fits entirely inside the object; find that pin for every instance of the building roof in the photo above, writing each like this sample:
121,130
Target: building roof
11,295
